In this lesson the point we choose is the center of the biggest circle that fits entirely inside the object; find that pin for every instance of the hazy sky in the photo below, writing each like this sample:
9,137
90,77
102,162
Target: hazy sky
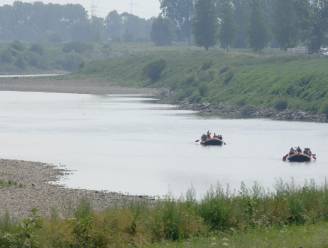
144,8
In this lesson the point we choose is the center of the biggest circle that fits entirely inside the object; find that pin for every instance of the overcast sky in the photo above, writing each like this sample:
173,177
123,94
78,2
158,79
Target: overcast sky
144,8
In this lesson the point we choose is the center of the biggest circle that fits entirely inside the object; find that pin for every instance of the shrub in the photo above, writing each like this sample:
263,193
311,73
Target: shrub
6,56
324,108
154,69
18,46
203,90
36,48
281,105
78,47
224,70
175,220
228,77
207,65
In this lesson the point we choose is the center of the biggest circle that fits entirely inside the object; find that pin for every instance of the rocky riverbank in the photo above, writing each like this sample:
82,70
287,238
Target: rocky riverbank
25,186
228,111
248,112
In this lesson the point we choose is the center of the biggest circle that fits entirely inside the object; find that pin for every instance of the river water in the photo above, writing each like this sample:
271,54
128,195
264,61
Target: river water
132,145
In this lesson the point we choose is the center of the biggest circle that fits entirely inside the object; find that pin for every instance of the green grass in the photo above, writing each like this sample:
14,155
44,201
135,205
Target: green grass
309,236
8,183
236,78
251,217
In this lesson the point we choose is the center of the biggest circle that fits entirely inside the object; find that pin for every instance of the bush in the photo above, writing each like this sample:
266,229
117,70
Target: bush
324,108
36,48
203,90
207,65
281,105
154,69
6,56
18,46
70,62
77,47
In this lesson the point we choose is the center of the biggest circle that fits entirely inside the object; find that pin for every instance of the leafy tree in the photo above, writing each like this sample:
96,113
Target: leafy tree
258,32
179,12
227,30
114,25
161,32
285,26
318,28
205,23
241,22
135,29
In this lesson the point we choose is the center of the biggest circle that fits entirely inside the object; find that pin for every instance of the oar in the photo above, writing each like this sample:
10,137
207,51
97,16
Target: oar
196,141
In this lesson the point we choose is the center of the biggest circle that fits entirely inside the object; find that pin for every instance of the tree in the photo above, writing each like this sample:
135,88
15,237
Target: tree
285,28
317,34
205,23
227,30
161,32
258,31
241,22
180,13
114,26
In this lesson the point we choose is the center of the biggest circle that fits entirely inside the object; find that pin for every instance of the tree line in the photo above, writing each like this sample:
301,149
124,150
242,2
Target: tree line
252,24
38,22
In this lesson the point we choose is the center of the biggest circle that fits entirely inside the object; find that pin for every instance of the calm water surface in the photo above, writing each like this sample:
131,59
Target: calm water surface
133,145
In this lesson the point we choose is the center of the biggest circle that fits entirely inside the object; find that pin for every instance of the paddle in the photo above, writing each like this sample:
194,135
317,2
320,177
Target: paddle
196,141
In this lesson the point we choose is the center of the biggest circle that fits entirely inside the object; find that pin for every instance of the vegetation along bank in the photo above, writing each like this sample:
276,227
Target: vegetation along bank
290,216
231,84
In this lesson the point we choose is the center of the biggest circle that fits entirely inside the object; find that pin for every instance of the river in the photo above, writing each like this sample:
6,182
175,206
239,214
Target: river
131,144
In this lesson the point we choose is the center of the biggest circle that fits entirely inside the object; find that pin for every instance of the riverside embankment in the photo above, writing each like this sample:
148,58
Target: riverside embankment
234,84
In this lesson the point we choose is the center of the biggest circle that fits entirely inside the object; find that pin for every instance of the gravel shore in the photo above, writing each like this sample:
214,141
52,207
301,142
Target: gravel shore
31,185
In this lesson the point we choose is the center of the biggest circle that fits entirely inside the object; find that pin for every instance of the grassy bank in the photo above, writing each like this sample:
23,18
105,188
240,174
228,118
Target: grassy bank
291,216
236,78
314,236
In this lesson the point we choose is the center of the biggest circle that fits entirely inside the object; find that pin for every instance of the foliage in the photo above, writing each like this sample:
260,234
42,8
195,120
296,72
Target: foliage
180,12
233,214
285,23
154,69
324,108
20,58
318,25
281,105
227,31
161,32
233,78
205,24
258,32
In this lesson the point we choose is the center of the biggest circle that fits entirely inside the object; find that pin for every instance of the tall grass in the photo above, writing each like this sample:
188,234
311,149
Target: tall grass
138,224
296,82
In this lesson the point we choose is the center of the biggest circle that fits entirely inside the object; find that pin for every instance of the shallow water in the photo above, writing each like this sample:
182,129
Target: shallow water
133,145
